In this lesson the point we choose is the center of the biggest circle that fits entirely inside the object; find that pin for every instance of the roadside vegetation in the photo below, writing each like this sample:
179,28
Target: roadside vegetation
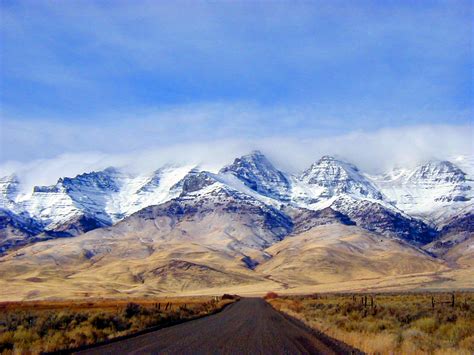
43,326
405,323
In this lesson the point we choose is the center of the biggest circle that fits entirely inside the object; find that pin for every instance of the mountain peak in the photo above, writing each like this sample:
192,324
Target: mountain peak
437,171
328,158
255,156
9,187
9,181
331,160
259,174
106,179
9,178
256,153
336,176
329,165
194,180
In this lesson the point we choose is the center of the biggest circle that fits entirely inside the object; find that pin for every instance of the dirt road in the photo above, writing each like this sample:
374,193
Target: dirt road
250,326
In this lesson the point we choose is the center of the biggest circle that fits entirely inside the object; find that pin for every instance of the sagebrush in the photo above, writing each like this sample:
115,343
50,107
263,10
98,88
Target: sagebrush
35,327
413,323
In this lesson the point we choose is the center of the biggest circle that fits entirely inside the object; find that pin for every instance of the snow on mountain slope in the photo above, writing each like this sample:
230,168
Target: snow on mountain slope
384,219
260,175
71,198
328,178
215,189
465,163
105,196
389,204
147,190
9,190
434,191
341,186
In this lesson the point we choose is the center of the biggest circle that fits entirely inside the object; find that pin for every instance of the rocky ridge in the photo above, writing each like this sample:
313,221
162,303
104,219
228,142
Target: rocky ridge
413,205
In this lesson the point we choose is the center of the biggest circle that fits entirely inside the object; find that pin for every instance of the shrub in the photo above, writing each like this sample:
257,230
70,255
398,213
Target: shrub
56,341
454,332
420,339
427,325
103,321
61,321
24,338
132,309
6,341
226,296
80,336
271,295
467,343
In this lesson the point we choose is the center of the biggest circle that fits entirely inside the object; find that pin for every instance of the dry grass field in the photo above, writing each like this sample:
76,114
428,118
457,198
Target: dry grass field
45,326
403,323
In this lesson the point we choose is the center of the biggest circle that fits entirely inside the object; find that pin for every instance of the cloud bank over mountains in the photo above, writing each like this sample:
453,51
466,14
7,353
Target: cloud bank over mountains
77,150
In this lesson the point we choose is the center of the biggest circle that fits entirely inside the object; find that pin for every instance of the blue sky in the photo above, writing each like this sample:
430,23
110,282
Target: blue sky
112,76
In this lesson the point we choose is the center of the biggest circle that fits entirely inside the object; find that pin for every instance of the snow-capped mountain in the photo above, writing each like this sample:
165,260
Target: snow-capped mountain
434,191
93,199
341,186
203,195
137,192
408,204
329,177
256,172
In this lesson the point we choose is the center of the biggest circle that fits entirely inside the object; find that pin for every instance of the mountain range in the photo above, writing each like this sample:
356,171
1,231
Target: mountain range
248,225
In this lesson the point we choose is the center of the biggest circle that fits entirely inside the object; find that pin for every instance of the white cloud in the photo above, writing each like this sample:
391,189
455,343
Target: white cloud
119,132
373,152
